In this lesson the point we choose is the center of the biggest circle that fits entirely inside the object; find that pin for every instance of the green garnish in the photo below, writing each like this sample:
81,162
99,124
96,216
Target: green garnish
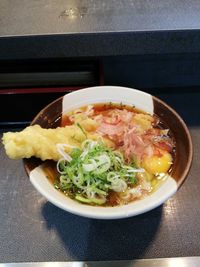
81,128
93,171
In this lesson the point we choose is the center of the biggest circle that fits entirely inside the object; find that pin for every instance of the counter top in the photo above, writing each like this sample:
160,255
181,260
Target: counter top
21,17
59,28
32,229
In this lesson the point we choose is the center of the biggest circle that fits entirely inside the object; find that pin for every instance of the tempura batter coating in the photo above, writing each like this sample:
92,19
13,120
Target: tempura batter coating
41,143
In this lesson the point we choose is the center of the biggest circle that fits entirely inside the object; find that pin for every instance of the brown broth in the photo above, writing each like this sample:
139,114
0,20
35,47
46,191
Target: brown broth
113,198
66,121
102,108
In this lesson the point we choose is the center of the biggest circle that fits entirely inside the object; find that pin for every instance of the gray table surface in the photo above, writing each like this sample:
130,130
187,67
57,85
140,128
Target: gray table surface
85,28
22,17
32,229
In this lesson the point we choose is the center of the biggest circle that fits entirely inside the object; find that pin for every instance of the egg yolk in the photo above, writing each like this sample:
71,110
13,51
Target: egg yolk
156,164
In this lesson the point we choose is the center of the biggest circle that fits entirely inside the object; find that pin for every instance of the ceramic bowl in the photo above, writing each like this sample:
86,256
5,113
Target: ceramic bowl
51,116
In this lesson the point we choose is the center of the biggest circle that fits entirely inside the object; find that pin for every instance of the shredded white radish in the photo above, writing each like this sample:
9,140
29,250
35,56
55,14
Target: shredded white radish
57,166
61,151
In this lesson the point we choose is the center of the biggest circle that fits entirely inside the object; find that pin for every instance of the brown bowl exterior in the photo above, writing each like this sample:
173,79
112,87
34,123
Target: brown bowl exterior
184,147
49,117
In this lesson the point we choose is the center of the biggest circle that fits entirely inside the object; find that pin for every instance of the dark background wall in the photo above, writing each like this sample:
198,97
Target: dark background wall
26,86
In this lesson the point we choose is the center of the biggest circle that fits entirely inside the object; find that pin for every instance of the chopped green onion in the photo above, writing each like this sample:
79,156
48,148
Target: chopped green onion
82,130
90,200
93,171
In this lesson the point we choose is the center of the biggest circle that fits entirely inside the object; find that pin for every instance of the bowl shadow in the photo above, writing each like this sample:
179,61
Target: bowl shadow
103,240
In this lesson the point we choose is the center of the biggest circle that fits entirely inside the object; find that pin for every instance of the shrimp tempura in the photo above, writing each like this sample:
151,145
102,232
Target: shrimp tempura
41,143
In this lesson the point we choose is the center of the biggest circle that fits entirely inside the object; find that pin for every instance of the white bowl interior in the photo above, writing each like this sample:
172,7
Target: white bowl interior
106,94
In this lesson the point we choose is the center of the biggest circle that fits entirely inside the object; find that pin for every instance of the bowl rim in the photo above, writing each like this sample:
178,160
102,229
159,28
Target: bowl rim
190,155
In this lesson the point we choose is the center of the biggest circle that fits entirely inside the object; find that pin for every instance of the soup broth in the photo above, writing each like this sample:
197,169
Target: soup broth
131,155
